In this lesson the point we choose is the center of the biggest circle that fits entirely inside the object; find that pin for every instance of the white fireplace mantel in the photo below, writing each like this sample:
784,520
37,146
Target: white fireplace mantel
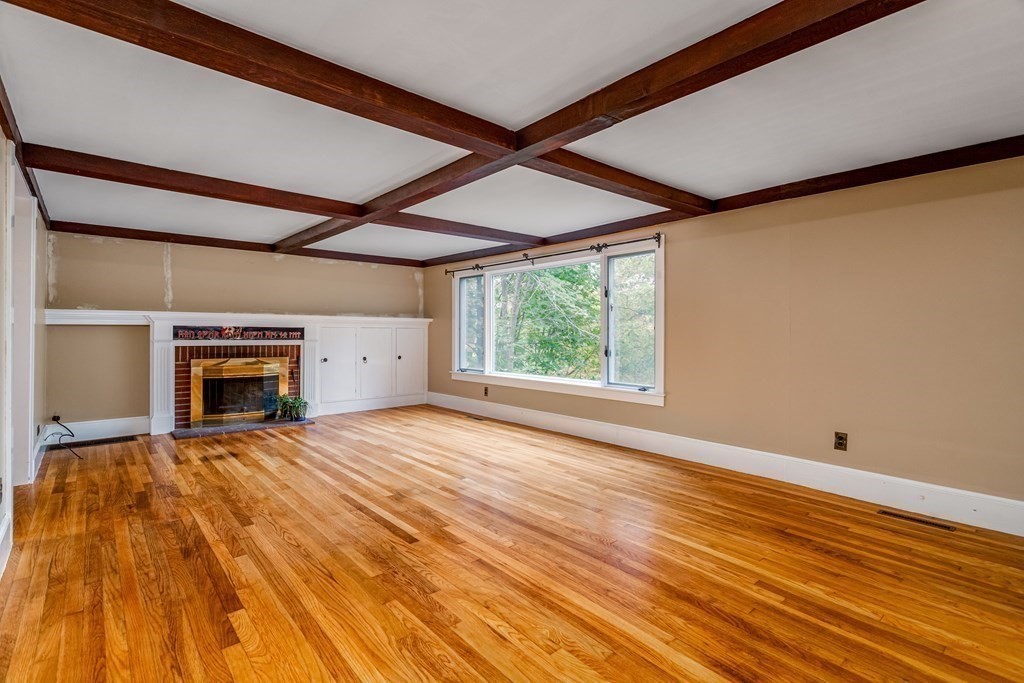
162,343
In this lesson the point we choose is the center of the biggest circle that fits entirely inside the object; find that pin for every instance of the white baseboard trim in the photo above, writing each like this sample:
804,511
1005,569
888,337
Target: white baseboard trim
37,455
6,543
966,507
336,407
97,429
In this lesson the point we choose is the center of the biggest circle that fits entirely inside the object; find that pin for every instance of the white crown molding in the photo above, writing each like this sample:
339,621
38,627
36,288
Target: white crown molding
83,316
966,507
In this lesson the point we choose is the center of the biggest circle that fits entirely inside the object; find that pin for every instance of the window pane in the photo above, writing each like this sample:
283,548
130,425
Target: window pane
471,323
631,319
547,322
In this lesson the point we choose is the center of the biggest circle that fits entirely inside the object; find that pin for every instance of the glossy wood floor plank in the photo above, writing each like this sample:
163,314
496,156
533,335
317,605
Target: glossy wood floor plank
423,544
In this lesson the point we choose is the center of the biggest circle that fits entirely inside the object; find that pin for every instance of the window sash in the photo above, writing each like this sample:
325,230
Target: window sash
612,351
463,323
604,356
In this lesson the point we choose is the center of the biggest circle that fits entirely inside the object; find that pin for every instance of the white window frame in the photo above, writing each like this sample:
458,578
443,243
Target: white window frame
594,389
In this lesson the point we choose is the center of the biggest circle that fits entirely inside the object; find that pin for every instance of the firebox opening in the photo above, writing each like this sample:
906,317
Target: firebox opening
230,390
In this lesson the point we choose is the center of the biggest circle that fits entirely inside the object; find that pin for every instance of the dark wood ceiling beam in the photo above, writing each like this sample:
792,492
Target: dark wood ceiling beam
195,240
155,236
658,218
187,34
576,167
9,127
476,254
127,172
365,258
341,213
452,176
997,150
1007,148
770,35
647,221
454,228
779,31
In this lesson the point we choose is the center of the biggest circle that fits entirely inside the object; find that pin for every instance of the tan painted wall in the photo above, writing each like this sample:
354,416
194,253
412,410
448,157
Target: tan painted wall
893,312
97,372
106,273
89,369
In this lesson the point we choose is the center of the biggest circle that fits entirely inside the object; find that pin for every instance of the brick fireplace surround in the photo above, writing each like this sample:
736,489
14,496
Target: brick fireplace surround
183,356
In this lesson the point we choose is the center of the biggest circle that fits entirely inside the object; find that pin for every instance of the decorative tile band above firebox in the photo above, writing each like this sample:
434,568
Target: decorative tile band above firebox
250,334
185,355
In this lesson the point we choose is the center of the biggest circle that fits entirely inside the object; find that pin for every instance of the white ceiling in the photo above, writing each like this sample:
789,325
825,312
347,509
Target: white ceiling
940,75
536,203
381,240
75,89
86,200
509,61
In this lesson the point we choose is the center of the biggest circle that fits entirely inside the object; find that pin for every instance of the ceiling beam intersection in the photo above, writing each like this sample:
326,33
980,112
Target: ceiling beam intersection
192,36
770,35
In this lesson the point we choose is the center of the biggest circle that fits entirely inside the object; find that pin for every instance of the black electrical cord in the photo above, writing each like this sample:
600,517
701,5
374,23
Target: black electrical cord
70,435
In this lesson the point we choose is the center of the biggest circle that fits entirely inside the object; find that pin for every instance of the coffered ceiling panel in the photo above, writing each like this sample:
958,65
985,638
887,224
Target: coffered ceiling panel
380,240
85,200
509,61
75,89
534,203
939,75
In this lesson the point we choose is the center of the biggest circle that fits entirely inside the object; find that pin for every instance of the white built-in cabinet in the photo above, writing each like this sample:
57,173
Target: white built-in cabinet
410,360
371,366
338,371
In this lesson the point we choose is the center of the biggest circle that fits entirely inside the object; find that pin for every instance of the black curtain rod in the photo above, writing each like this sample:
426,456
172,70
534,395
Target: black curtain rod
596,248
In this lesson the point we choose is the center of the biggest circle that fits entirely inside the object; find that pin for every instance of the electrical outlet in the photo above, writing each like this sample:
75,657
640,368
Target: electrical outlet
486,390
55,418
840,442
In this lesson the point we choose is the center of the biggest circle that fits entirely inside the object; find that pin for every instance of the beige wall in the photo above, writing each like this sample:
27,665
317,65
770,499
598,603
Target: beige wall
97,372
107,273
893,312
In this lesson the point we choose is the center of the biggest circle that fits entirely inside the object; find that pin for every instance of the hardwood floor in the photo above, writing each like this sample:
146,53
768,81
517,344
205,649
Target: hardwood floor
422,544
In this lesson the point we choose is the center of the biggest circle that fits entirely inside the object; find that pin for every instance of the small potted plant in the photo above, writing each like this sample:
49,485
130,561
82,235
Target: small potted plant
282,407
292,408
298,408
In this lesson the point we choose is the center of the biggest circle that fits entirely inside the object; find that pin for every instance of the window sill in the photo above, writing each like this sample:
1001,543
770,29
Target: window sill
562,386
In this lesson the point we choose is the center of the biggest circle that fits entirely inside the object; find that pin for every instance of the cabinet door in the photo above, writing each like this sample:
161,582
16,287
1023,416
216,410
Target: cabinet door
375,362
337,362
409,361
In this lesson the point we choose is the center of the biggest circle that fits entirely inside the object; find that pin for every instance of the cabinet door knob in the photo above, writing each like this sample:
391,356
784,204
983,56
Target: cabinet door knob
399,358
364,359
323,360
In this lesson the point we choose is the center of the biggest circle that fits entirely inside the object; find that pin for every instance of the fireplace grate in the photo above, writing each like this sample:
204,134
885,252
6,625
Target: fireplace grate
917,520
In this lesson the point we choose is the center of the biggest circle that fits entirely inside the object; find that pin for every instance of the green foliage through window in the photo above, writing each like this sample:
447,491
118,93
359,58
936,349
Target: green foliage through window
631,319
548,321
471,323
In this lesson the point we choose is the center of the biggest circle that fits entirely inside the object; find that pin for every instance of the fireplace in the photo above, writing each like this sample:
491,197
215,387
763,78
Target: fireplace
228,390
220,384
